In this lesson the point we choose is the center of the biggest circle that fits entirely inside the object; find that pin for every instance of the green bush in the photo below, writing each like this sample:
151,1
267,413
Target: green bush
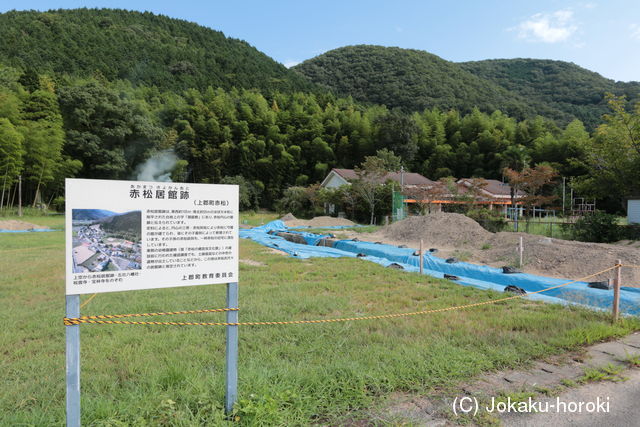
490,220
598,227
57,204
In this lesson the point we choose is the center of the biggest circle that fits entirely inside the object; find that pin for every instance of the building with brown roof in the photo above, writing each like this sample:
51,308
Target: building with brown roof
339,177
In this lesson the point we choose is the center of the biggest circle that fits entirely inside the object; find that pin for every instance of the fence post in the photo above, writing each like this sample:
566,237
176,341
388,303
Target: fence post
616,290
520,251
421,256
232,349
73,362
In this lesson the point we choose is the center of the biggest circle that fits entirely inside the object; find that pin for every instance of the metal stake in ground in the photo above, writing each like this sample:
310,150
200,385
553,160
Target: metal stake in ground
73,362
232,349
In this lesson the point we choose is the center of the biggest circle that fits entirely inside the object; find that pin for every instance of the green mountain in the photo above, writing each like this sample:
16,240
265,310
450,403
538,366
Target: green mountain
564,86
127,223
414,80
141,47
409,79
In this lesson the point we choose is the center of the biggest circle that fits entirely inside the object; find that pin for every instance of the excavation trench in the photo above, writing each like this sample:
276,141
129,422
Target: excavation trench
306,245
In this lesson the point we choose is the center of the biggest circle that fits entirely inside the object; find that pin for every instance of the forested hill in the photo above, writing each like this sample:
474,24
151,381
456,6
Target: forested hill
561,85
414,80
143,48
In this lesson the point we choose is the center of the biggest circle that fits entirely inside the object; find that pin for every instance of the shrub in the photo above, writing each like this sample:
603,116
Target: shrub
57,204
598,227
490,220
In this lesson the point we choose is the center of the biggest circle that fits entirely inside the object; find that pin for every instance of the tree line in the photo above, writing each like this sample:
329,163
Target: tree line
52,128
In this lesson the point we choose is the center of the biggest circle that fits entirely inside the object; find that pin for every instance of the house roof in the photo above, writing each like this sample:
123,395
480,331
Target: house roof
494,187
410,178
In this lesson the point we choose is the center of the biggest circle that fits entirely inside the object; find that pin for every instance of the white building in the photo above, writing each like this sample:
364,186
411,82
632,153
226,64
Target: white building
633,210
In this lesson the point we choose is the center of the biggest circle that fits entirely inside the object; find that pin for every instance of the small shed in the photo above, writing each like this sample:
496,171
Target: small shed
633,210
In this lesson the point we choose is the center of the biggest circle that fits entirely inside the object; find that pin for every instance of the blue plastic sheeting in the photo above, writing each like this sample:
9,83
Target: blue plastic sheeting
494,278
33,230
327,227
478,276
261,235
311,238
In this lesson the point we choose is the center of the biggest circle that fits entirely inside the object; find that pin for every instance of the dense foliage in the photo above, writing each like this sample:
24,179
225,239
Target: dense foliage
60,119
104,130
409,79
562,86
143,48
414,80
597,227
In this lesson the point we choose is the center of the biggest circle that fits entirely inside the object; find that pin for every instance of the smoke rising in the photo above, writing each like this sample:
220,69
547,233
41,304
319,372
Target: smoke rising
157,167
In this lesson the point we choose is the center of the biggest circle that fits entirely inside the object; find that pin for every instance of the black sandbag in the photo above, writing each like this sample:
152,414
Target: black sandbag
396,266
360,255
510,270
451,277
402,246
515,290
452,260
433,250
600,285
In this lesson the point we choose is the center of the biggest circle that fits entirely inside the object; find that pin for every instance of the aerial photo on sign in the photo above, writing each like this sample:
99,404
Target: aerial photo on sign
106,241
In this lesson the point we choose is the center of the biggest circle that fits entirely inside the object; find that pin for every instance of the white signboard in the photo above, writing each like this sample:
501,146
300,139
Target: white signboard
126,235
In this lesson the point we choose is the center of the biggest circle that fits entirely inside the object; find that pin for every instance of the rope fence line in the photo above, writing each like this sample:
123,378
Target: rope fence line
88,300
629,265
98,319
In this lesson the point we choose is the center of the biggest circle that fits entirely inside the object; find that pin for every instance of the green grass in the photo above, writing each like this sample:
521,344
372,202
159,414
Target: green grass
289,375
257,218
610,372
366,229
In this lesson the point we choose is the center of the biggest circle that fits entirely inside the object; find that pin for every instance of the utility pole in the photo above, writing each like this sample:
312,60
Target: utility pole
402,177
19,195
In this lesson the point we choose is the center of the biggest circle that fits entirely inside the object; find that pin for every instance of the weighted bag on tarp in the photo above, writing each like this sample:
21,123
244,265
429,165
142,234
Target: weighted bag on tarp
600,285
515,290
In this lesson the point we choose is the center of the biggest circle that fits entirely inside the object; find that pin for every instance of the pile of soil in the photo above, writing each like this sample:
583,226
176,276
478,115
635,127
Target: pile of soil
454,233
440,230
319,221
13,224
560,258
288,217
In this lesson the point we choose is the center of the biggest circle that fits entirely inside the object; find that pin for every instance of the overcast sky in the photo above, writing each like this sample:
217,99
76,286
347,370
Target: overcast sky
603,36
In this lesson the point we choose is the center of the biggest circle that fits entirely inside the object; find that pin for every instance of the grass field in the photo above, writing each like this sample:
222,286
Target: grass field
289,375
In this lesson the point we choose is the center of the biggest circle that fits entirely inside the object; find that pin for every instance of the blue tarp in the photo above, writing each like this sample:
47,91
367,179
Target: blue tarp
33,230
479,276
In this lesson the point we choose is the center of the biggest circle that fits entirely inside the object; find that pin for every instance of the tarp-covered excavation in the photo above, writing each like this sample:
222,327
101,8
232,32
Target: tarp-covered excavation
479,276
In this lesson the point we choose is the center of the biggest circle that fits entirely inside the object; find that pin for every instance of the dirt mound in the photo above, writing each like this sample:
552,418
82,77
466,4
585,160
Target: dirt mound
13,224
319,221
288,217
560,258
441,230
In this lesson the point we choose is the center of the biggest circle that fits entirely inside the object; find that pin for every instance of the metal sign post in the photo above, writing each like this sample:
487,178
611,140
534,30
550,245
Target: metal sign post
232,349
163,235
73,362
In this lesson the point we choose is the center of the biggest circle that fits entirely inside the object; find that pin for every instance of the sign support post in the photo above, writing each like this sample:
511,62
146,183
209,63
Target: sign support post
232,349
73,362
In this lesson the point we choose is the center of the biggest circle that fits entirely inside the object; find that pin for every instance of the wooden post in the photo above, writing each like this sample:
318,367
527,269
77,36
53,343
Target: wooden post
616,290
421,256
520,251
